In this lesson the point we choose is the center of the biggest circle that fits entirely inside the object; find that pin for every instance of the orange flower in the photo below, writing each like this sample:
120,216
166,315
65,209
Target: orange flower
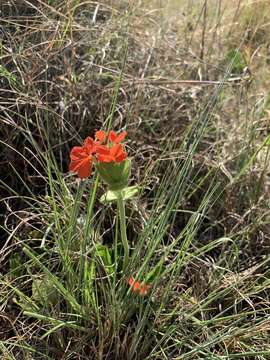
135,285
114,151
114,154
144,289
82,157
112,136
100,135
116,139
138,287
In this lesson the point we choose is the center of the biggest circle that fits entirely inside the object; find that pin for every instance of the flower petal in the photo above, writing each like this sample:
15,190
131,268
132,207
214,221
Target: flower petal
89,145
116,149
81,162
102,149
118,153
74,165
120,137
131,281
144,289
121,156
105,158
100,135
136,286
85,168
112,136
77,153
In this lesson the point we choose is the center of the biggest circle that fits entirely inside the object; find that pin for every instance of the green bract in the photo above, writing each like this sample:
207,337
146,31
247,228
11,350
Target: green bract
115,175
126,193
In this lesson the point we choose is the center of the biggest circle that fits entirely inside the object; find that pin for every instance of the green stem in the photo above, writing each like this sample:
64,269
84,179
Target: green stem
123,228
83,259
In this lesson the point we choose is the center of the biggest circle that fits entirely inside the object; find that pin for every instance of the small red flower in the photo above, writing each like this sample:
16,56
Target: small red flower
100,135
144,289
135,285
112,136
116,139
138,287
114,154
82,157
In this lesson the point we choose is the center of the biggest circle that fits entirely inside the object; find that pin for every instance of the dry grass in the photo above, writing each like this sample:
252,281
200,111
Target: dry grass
60,65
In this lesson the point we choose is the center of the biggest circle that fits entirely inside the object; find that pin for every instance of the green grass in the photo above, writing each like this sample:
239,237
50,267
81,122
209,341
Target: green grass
198,140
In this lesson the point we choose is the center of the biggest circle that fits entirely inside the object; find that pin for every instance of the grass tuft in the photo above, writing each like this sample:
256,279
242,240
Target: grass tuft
188,81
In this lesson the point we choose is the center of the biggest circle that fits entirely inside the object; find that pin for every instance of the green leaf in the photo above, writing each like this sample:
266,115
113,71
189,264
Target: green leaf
17,266
126,193
69,297
43,291
8,75
237,60
104,254
155,272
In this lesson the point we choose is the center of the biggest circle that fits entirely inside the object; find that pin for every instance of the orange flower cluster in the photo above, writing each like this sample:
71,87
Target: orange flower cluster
138,287
82,157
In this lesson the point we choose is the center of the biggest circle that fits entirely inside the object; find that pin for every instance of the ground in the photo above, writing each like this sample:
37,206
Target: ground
189,82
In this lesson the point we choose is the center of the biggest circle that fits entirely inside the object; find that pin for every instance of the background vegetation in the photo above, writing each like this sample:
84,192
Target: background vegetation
189,81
